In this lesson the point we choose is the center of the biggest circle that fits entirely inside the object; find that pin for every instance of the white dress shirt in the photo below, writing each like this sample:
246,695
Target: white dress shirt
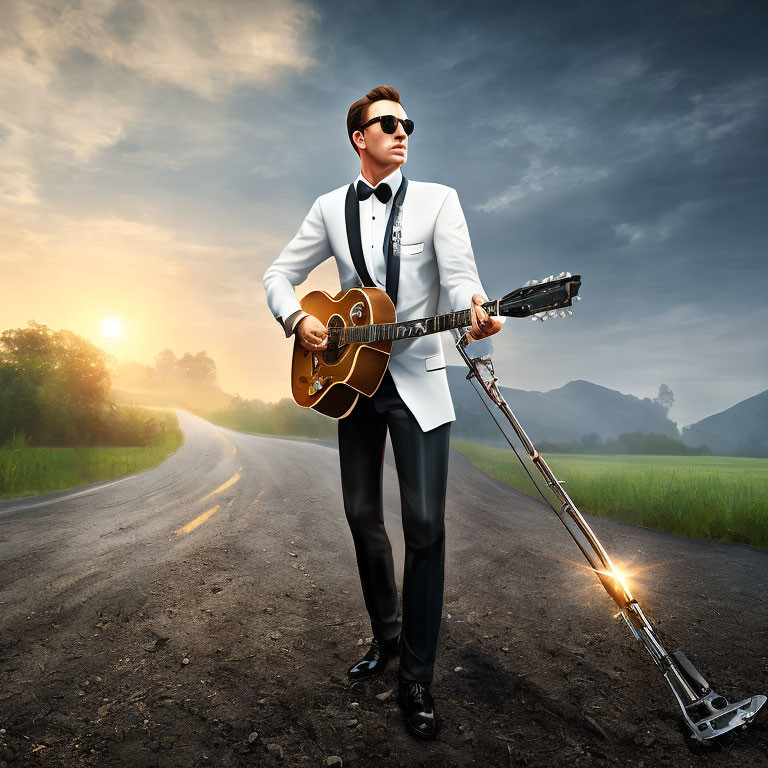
374,216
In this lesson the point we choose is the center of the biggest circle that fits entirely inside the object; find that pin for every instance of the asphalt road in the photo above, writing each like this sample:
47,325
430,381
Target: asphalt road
205,613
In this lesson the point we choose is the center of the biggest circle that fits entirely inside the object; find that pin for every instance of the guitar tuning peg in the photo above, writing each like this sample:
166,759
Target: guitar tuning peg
569,311
527,283
578,298
562,313
534,282
568,274
544,318
553,313
562,274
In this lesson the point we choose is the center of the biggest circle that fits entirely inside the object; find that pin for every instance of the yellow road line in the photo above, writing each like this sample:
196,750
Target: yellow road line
232,480
198,520
227,441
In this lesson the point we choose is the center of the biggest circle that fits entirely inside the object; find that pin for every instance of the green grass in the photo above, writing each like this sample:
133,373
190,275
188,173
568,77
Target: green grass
32,471
711,497
283,419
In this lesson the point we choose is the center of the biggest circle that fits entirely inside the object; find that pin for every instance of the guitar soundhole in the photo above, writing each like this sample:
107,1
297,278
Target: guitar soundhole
333,352
358,315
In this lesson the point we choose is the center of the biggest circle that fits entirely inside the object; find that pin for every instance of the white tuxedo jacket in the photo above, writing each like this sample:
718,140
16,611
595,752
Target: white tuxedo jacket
437,274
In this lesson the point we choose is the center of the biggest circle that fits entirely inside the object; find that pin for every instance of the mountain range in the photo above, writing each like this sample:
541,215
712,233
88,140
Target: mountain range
579,408
564,414
741,429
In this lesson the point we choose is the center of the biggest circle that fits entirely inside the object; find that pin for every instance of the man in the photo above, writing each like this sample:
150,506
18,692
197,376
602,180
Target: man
433,272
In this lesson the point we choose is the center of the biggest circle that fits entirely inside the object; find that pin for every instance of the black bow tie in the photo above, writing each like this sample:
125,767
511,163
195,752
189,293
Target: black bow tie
382,192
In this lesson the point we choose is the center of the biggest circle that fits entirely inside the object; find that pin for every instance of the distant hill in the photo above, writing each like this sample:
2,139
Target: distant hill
741,429
565,414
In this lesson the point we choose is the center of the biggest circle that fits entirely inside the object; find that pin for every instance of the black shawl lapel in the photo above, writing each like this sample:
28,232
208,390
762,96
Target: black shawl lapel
393,262
352,215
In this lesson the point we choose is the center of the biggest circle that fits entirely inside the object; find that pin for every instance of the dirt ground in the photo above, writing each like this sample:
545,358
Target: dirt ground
230,648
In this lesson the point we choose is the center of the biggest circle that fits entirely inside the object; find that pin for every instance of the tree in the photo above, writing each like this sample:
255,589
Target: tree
590,442
166,363
200,367
650,443
665,398
56,385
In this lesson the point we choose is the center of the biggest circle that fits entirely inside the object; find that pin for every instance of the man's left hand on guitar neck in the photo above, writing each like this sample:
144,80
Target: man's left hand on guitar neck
483,325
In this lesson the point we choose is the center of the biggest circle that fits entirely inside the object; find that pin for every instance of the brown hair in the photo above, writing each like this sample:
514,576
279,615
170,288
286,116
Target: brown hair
357,110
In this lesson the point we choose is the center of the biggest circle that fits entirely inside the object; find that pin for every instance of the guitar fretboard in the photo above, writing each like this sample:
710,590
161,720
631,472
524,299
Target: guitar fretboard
410,328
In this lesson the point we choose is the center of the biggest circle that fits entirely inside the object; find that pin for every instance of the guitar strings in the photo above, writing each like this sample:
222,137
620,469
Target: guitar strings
384,330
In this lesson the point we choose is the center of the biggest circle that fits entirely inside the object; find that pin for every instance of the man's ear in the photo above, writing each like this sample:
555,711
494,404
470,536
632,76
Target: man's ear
359,138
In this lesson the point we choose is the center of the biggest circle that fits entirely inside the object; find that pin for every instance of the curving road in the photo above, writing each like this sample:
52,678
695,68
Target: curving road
205,612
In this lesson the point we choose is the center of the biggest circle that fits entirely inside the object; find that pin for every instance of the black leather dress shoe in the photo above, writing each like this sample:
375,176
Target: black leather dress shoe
418,708
375,661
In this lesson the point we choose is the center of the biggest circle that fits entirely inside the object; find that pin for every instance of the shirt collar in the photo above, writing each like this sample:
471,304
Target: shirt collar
394,180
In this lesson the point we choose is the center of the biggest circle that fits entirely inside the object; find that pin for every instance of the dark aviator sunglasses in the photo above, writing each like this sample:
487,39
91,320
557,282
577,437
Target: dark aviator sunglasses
389,124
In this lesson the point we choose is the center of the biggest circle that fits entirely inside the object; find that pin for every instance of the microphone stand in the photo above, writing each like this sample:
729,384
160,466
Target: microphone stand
706,713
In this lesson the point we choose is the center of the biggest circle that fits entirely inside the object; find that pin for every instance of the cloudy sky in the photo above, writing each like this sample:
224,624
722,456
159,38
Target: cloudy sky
156,156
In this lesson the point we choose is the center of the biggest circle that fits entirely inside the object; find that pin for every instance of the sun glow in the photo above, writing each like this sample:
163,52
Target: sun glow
111,328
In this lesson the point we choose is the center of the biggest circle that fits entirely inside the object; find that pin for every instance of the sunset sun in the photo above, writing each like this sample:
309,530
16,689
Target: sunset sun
111,328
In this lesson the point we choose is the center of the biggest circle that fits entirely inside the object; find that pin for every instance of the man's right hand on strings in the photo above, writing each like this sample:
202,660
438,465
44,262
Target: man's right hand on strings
313,335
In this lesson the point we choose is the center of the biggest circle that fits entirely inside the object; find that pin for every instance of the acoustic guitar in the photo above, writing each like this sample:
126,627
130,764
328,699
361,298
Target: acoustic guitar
362,326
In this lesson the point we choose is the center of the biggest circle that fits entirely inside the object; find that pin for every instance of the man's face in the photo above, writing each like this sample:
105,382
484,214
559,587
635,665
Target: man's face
384,148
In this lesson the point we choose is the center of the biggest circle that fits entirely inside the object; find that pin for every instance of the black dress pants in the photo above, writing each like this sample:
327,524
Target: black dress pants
421,459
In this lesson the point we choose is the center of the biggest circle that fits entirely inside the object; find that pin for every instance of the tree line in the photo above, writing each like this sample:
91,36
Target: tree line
281,418
55,391
639,443
198,367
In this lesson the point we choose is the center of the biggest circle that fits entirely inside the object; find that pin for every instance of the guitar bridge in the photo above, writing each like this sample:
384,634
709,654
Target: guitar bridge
318,384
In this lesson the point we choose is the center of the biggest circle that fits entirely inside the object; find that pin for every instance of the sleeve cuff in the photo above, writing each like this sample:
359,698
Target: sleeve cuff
292,321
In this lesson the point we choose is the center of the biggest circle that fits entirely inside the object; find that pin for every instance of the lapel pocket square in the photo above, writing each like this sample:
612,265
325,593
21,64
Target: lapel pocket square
408,250
434,362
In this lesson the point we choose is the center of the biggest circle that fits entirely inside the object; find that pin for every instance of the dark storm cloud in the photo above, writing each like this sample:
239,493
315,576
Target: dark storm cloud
622,141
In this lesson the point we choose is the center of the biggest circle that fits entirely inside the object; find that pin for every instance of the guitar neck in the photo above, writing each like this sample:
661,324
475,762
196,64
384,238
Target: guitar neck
409,329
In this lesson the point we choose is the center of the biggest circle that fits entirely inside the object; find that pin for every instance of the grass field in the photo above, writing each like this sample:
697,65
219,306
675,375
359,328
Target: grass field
31,471
710,497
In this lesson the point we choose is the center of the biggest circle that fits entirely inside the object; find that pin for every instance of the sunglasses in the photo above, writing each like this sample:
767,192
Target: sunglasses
389,124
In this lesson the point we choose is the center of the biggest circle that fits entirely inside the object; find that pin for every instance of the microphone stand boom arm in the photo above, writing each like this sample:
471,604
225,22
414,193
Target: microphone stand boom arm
706,713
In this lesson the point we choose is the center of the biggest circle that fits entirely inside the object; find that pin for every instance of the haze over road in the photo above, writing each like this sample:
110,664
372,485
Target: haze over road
235,555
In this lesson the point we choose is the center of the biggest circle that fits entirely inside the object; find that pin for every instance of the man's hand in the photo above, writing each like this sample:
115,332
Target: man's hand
313,335
483,324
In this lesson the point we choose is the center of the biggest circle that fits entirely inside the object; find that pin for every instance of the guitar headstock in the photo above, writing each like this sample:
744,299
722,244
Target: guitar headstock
541,299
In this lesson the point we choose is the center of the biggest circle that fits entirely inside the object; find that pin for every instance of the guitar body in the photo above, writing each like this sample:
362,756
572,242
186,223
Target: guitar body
330,381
